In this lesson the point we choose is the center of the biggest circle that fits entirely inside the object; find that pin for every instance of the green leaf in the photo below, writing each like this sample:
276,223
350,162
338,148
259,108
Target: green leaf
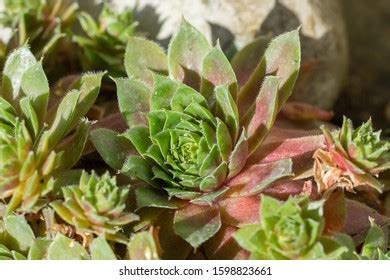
16,65
63,248
142,246
163,91
38,250
19,233
281,59
186,51
113,148
216,71
266,109
137,167
139,137
101,250
375,239
30,116
72,150
150,197
64,118
133,99
34,85
227,110
245,235
89,87
143,56
196,224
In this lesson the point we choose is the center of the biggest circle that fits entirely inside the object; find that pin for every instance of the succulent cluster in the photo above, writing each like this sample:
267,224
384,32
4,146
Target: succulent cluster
104,43
95,206
203,161
353,158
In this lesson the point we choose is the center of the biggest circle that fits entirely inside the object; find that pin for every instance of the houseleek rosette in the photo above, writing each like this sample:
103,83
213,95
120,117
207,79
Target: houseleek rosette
95,206
289,231
353,158
192,133
104,43
36,143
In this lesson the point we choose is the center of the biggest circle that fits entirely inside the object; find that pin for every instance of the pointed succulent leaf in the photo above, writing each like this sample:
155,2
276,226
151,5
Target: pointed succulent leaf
266,109
257,177
134,101
245,60
64,118
143,56
282,59
72,150
216,71
101,250
34,85
113,148
196,224
374,241
15,67
186,51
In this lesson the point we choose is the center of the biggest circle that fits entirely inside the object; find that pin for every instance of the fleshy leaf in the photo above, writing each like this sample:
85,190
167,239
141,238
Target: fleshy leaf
113,148
256,178
101,250
34,84
38,250
186,51
63,248
143,56
266,109
245,61
149,197
20,235
216,71
133,99
196,224
16,65
281,59
142,246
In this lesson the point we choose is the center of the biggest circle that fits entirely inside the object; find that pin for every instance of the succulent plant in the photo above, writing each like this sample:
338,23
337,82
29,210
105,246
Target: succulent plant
195,130
37,143
44,24
95,206
353,158
289,231
104,43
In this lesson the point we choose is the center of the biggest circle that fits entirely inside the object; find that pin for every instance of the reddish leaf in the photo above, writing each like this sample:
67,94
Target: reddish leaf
334,212
300,111
256,178
282,190
238,211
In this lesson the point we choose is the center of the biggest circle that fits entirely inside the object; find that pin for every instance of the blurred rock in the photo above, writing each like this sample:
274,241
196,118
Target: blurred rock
323,36
368,90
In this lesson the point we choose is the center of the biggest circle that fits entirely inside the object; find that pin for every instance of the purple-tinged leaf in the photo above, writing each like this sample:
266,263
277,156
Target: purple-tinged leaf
196,224
239,211
281,59
266,109
255,178
216,71
245,61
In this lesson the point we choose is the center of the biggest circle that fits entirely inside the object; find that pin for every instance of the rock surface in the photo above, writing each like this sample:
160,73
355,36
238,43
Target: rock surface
367,92
323,35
